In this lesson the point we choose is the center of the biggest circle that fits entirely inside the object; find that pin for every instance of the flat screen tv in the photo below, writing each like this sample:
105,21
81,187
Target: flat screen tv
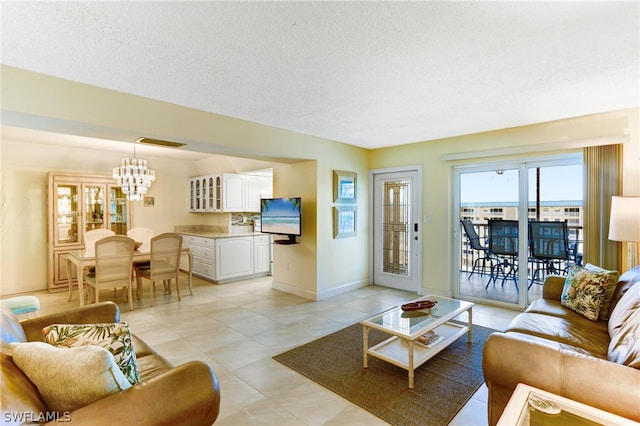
281,216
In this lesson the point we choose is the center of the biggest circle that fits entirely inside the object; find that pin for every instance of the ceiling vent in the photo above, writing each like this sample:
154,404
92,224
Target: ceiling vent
158,142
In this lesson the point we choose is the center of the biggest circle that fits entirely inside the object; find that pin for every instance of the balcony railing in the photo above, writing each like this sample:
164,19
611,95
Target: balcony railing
469,255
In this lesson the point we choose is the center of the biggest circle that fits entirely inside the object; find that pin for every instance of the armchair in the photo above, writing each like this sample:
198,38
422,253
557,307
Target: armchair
166,395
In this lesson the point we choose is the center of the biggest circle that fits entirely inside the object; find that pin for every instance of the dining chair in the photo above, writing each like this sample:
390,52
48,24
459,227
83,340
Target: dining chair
114,262
474,242
164,265
142,235
90,238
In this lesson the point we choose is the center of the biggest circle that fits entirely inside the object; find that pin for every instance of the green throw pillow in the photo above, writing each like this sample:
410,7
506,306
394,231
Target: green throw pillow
584,291
611,288
115,337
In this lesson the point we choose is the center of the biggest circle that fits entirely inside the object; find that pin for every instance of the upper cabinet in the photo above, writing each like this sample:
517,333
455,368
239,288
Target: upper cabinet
233,190
228,192
205,193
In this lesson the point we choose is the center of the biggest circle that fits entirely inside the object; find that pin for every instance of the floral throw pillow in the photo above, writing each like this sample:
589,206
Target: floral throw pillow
584,291
115,337
611,288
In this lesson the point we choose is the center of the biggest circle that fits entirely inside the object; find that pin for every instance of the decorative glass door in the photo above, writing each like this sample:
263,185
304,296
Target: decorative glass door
66,212
397,246
94,208
118,213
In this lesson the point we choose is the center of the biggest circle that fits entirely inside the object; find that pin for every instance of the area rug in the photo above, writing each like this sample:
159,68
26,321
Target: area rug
443,385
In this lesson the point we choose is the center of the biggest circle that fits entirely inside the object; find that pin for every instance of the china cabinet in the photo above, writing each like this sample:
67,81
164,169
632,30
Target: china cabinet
76,204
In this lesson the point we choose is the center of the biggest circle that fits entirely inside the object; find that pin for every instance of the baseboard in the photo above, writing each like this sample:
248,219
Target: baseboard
437,292
314,295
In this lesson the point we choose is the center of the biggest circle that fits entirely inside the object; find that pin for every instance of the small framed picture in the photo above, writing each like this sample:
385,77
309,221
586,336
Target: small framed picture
344,186
344,221
149,201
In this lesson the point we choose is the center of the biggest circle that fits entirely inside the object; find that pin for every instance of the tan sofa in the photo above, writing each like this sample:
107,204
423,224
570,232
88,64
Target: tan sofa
558,350
167,395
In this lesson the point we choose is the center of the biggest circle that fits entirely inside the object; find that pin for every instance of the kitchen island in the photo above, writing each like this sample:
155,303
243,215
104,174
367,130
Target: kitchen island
223,257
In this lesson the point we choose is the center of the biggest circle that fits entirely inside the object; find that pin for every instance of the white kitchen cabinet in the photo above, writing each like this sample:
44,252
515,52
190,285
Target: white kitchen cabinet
234,257
251,193
203,253
228,192
266,186
205,193
229,258
256,187
261,254
232,192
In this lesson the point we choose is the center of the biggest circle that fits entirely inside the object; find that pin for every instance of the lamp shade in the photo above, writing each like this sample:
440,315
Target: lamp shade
624,224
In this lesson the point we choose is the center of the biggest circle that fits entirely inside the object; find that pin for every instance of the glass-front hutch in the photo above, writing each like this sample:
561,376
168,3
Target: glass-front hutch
80,203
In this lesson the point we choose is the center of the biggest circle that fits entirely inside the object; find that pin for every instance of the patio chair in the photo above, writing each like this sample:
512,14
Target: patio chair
503,244
474,242
549,246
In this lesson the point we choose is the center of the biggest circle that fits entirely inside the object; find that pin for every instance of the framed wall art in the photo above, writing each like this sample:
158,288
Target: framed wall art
344,221
344,186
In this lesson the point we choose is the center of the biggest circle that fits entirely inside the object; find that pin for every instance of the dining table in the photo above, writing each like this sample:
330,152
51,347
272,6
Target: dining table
83,258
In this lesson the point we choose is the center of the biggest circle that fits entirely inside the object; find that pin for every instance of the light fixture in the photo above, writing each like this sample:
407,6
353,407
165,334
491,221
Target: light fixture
624,225
134,177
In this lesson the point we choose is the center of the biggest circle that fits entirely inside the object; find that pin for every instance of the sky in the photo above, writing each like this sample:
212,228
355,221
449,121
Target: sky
556,183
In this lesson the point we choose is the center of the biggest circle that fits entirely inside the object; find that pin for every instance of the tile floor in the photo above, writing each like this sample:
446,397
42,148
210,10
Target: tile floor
236,328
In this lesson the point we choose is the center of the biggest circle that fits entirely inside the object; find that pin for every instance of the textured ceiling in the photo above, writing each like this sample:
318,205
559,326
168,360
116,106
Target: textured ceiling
370,74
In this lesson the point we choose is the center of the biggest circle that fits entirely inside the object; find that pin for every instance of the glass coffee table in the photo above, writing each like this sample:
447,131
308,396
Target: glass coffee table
408,347
530,406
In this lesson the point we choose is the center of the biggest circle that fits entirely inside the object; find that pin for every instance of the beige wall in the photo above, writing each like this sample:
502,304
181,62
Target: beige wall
439,157
45,103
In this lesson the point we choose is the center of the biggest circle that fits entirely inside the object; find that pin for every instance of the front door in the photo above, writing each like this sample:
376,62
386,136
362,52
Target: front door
397,230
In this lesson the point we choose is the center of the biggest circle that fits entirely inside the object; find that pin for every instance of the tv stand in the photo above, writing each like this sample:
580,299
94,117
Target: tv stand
291,240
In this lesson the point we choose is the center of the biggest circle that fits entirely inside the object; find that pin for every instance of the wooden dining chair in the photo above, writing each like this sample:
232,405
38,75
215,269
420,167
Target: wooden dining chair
114,263
164,265
89,239
142,235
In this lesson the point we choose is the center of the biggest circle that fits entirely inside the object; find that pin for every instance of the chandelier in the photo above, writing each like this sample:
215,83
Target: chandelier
134,177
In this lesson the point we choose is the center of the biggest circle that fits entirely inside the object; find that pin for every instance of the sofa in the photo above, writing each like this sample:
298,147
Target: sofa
559,350
164,395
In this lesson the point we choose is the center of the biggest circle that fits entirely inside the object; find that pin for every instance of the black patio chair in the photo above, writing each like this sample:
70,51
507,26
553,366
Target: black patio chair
549,245
503,244
474,242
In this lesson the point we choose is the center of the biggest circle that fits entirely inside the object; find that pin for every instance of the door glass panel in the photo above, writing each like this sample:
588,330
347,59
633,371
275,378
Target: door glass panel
486,272
66,215
555,197
118,210
93,207
396,223
499,257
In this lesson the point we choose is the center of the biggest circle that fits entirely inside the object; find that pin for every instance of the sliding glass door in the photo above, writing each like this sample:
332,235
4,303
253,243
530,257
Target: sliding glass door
498,206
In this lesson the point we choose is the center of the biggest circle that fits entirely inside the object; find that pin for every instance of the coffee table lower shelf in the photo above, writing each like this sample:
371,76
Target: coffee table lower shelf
396,351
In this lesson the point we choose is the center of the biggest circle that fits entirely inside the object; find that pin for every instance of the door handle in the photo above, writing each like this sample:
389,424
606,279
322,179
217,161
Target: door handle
415,227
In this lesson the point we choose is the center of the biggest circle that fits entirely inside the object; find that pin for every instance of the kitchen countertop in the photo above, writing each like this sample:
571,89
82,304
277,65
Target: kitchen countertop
210,234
